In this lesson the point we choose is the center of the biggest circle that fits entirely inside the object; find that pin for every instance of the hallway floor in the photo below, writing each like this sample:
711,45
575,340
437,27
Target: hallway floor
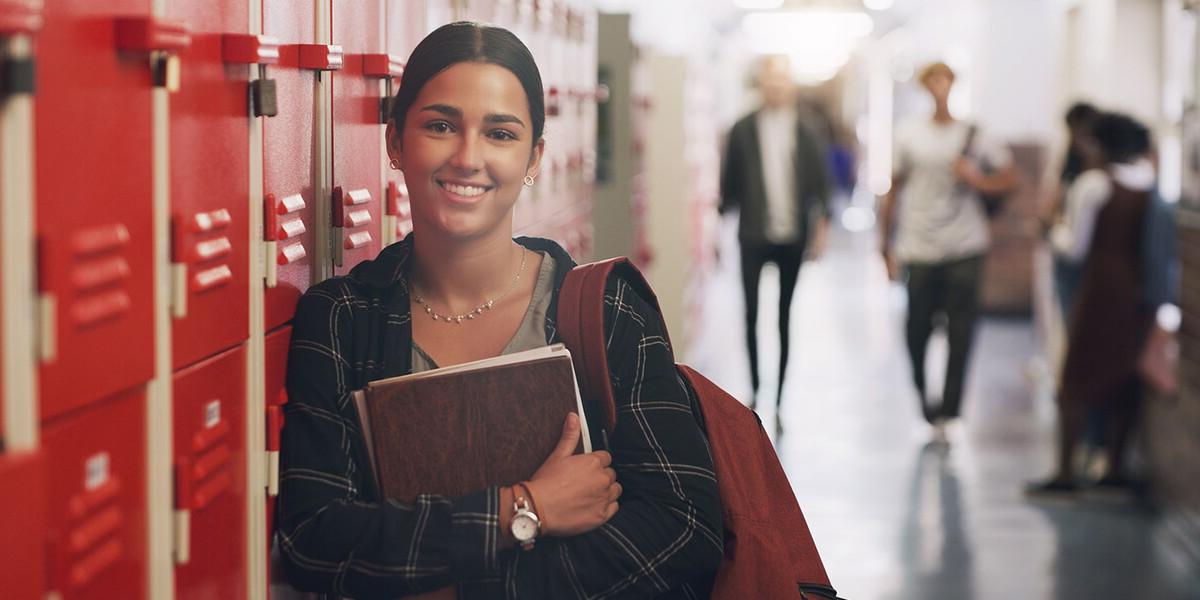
896,517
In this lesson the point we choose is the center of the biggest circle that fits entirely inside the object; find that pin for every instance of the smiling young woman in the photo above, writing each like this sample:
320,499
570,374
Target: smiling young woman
467,130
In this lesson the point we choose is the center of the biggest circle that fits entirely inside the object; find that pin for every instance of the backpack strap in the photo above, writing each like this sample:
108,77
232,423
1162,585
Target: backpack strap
581,325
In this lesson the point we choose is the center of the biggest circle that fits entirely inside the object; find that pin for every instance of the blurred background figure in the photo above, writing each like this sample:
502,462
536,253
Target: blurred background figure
1082,155
775,173
1102,230
942,166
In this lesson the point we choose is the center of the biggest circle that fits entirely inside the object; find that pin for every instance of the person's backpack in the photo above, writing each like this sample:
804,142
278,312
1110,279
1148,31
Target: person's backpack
769,551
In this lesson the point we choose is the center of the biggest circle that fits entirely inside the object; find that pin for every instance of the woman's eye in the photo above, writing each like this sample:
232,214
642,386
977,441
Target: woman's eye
439,127
503,135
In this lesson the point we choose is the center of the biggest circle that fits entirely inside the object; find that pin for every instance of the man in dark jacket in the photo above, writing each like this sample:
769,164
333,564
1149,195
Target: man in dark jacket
774,171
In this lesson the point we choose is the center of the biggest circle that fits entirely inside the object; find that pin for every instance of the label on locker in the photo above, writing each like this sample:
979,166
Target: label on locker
96,471
212,414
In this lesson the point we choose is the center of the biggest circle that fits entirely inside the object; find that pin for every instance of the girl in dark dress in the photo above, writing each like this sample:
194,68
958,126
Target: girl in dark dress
1109,322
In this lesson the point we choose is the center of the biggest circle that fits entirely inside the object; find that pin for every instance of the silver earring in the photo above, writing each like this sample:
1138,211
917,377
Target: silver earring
395,164
529,181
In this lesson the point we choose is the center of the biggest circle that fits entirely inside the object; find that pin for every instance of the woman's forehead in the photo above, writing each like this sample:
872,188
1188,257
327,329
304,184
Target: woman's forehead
476,88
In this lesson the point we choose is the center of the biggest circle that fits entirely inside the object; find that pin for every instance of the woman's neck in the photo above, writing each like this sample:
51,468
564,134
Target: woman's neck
457,275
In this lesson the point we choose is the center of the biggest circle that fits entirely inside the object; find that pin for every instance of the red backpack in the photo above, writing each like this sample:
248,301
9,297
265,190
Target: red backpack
769,552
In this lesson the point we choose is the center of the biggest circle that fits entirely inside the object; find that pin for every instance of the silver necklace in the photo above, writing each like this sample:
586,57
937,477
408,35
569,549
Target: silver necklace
479,310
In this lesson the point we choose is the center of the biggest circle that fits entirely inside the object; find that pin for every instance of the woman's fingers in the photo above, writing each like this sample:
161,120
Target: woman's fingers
610,510
614,492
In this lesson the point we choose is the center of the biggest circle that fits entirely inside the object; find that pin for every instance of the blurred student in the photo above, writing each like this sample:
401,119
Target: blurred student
1104,224
942,166
1082,156
775,172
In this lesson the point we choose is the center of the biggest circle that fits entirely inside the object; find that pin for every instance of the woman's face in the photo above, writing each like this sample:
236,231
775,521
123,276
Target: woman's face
466,148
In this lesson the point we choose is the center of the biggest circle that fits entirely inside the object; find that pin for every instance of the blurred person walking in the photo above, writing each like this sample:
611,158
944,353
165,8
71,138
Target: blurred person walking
1105,224
942,167
775,172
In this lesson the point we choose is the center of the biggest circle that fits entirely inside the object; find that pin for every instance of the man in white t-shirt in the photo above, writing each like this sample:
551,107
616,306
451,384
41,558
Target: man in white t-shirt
942,165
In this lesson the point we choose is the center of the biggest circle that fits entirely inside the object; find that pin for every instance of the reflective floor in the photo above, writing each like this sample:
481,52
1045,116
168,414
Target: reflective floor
894,516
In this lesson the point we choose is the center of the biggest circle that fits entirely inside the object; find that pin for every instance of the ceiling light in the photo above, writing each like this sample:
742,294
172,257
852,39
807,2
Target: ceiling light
758,4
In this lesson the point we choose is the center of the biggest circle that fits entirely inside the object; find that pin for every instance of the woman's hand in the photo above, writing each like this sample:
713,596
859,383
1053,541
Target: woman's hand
574,493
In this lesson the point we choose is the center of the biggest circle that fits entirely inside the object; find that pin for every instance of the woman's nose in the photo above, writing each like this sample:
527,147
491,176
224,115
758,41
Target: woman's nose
469,155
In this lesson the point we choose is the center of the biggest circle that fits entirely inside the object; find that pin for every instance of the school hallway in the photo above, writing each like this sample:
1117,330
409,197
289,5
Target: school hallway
895,516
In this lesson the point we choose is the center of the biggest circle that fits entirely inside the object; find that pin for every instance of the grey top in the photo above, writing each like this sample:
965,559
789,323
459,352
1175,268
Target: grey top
531,333
940,218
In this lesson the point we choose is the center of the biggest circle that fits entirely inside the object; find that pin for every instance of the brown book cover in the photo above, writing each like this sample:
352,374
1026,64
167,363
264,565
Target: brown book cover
460,429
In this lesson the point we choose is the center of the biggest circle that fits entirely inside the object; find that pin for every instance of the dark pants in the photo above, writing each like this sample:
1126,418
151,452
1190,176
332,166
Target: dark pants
788,258
950,288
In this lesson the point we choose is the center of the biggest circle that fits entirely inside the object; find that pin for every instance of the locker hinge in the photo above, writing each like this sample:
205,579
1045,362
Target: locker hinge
18,76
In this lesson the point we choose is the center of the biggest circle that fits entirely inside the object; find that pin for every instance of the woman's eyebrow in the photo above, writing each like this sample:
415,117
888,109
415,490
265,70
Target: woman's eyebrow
503,118
444,109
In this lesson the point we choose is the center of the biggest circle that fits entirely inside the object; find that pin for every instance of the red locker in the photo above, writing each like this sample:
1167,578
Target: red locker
357,138
23,521
276,351
93,161
95,465
288,163
210,478
210,174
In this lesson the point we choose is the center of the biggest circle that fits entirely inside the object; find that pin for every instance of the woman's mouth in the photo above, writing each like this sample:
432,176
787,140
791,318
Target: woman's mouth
463,192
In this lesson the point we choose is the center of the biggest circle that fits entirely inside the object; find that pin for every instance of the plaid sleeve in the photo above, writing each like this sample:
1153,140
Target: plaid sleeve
666,538
333,539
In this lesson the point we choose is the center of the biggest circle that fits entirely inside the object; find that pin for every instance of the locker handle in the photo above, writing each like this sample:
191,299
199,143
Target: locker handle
18,18
321,57
249,49
382,65
150,34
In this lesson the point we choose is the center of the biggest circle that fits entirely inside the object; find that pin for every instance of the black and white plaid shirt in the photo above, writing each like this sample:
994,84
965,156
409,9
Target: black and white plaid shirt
339,536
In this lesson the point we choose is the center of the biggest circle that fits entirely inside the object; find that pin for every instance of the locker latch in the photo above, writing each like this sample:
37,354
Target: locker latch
260,50
18,76
161,39
389,68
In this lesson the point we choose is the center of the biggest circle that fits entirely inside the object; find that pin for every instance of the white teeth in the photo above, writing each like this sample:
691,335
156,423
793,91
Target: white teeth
467,191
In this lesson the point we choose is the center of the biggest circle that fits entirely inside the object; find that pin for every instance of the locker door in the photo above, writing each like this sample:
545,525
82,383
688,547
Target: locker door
93,161
275,351
210,478
357,133
210,172
23,521
288,163
95,464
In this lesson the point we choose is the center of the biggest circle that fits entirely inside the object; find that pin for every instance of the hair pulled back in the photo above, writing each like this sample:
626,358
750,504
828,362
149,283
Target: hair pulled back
466,41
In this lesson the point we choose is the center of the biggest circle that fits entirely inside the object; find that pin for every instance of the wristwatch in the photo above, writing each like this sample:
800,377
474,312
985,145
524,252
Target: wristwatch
525,523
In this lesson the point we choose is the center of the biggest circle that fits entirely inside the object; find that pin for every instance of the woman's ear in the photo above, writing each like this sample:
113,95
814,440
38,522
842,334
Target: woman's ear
393,135
535,158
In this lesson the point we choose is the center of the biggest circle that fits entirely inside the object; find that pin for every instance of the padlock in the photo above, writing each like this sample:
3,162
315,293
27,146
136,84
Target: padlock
263,102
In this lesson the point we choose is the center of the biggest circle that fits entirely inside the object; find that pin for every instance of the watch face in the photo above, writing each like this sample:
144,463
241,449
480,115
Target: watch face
524,528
